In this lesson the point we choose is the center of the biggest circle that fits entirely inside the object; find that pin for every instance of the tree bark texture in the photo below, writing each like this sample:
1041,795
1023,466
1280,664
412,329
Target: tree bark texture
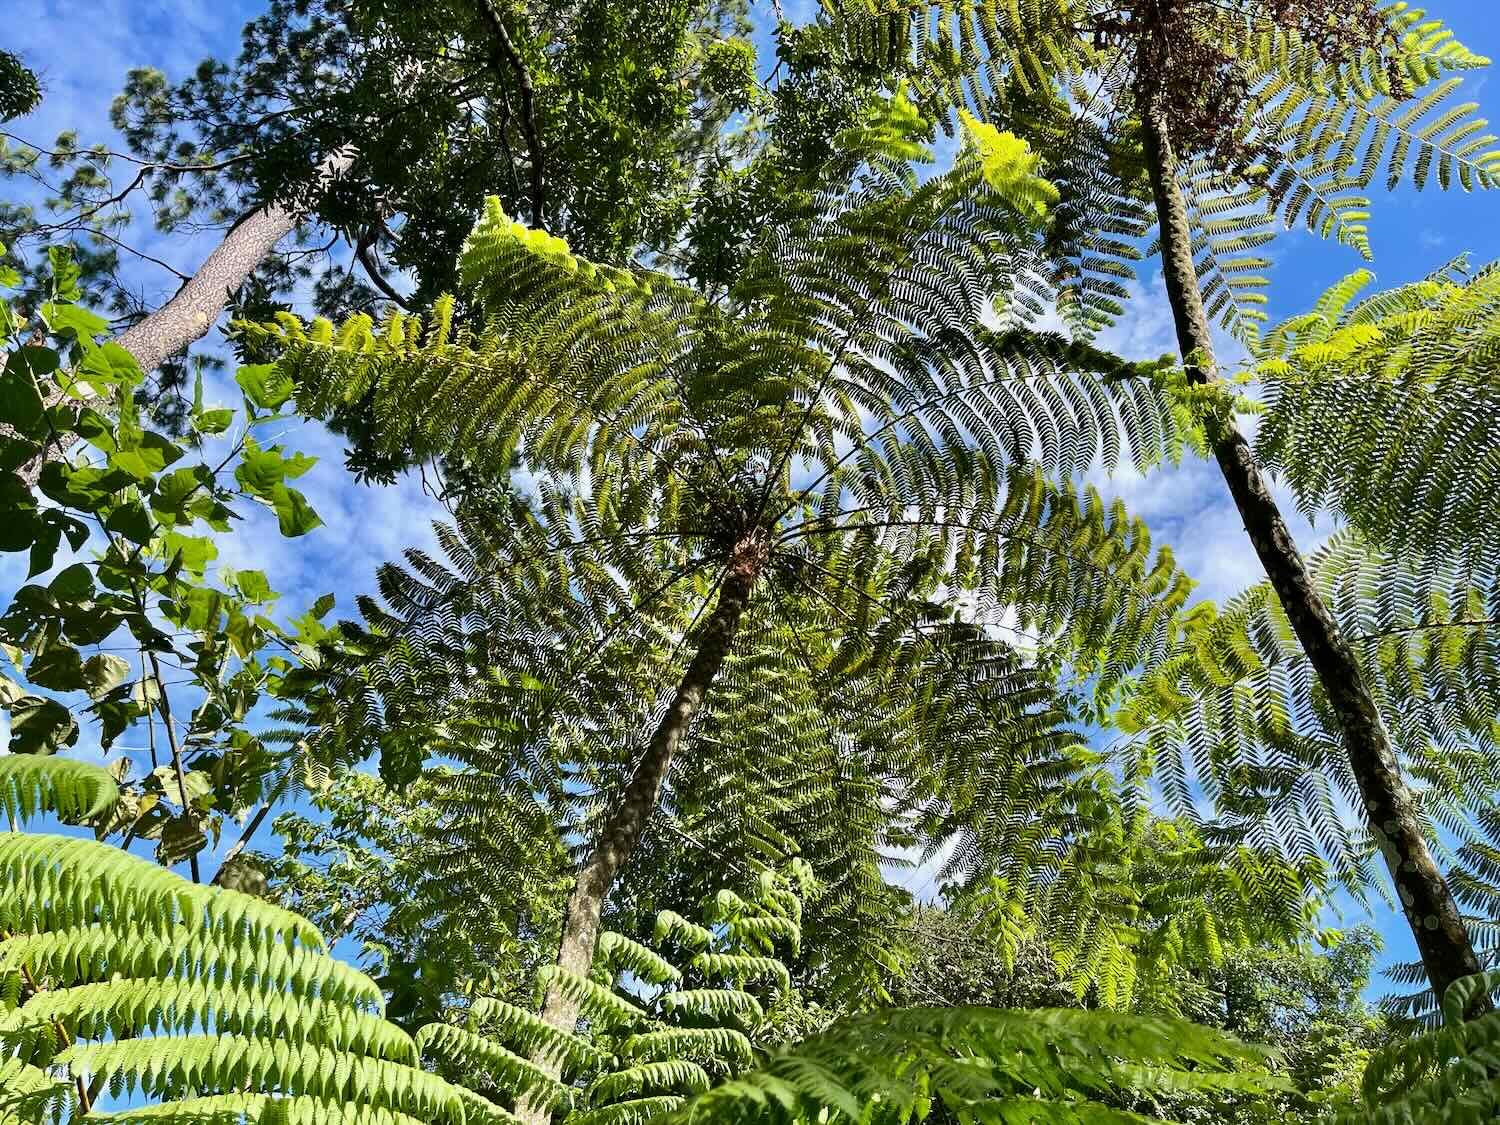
1428,903
195,307
626,825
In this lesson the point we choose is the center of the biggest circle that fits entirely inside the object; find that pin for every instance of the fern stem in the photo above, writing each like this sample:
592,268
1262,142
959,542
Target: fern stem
627,824
1427,901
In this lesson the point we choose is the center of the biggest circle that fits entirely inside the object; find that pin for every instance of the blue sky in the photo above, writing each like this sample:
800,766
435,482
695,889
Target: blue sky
82,52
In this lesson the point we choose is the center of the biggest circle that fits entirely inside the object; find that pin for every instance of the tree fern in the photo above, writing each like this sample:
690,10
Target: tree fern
1319,129
655,1036
1237,712
1241,117
836,426
1129,904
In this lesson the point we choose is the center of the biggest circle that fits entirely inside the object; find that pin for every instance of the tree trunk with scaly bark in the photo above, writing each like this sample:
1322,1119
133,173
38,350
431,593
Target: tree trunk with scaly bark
1431,911
623,831
195,307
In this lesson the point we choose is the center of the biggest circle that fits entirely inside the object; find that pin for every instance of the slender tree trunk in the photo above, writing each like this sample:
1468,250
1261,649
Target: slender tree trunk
623,831
1430,909
195,307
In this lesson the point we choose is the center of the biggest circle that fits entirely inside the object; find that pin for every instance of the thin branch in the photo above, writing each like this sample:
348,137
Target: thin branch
95,156
164,703
250,829
507,50
365,254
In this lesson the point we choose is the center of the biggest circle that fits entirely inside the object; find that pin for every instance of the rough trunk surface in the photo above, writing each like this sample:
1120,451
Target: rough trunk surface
195,307
625,827
1431,911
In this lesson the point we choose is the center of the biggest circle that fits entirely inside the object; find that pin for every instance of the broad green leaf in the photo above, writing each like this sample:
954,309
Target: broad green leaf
175,491
74,584
293,513
65,273
16,451
192,552
197,608
261,469
110,365
133,521
103,672
40,726
264,384
181,837
213,421
254,586
46,539
75,321
151,454
97,430
85,489
21,405
196,783
58,667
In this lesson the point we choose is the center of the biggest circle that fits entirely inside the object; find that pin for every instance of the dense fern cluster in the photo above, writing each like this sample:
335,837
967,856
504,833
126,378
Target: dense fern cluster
121,978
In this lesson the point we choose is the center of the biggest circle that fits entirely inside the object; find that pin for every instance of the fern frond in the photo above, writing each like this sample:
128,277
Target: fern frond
507,1069
57,881
986,1063
75,791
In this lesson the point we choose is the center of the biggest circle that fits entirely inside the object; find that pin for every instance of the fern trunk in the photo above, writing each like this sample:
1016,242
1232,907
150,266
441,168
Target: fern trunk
626,825
1431,911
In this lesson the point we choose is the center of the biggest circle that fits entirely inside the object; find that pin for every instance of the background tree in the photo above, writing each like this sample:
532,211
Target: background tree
374,135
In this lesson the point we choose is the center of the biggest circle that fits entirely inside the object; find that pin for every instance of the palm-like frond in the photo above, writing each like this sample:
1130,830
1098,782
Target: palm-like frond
74,790
1237,713
899,1065
211,1005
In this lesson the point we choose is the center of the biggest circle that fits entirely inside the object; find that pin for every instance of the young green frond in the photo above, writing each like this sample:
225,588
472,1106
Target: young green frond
33,783
618,952
506,1069
1384,408
55,882
203,1004
1442,1075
